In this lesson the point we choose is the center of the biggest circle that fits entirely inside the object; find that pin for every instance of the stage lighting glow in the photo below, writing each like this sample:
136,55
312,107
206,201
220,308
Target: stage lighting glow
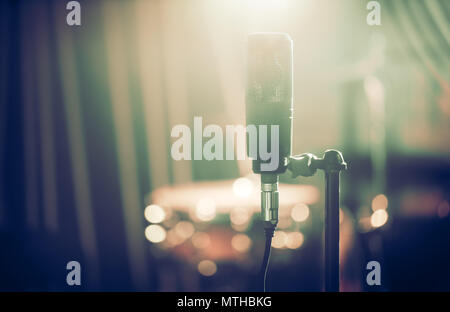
379,202
375,92
205,209
201,240
243,187
300,212
207,267
241,242
262,6
279,239
184,229
154,214
294,240
379,218
155,233
341,216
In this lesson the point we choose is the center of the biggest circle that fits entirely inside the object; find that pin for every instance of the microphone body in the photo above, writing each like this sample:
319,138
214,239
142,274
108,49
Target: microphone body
269,102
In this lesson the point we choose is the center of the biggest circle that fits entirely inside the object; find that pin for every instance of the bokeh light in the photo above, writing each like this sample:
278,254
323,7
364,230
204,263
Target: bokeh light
294,240
279,239
379,202
173,239
184,229
201,240
207,267
243,187
154,214
379,218
155,233
205,209
241,242
239,216
240,227
300,212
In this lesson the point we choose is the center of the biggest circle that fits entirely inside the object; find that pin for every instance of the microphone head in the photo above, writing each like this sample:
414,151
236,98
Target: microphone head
269,98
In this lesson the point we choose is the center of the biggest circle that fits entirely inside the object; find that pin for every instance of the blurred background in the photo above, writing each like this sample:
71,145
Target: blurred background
85,122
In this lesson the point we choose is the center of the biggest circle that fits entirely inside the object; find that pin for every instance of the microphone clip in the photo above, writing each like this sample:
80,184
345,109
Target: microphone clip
306,164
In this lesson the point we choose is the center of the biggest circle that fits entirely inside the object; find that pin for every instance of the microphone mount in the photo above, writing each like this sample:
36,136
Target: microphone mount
332,163
306,164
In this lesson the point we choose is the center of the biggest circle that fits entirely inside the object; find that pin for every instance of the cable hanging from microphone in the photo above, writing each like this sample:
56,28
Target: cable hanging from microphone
265,264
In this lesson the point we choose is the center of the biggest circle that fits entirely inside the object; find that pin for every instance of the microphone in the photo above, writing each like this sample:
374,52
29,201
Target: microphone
269,104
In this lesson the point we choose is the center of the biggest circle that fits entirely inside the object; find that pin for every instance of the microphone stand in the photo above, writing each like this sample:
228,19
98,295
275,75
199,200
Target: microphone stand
332,163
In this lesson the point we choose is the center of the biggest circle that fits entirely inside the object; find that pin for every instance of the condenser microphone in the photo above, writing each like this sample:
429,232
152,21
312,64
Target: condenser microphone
269,103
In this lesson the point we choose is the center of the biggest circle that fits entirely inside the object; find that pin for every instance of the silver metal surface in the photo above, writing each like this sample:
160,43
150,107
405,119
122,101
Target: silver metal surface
269,203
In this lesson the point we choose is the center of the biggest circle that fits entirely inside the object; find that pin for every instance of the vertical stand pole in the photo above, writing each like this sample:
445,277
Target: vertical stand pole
332,231
332,163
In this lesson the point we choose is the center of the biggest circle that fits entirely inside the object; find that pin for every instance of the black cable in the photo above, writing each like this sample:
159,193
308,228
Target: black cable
266,258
